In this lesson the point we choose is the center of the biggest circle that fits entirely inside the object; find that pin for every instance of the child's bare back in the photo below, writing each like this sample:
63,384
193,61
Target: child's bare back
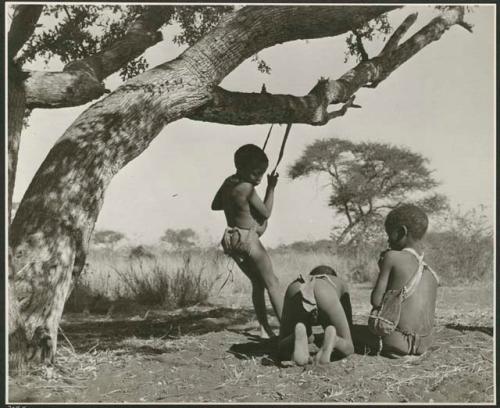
403,267
417,311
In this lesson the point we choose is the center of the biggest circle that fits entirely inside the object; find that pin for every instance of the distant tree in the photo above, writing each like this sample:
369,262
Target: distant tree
321,245
108,238
180,239
139,252
367,180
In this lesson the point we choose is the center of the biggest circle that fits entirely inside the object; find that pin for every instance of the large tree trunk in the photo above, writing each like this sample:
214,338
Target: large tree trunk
54,222
17,109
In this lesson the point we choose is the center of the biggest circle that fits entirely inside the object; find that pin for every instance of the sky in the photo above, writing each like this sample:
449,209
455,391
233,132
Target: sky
440,103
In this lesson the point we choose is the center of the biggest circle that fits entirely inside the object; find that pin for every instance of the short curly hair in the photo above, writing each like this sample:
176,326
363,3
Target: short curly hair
248,156
411,216
323,270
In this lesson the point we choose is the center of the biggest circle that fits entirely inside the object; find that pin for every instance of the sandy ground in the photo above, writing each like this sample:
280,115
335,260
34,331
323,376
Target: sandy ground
212,353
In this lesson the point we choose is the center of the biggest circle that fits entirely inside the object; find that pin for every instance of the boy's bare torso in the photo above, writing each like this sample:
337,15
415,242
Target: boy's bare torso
233,197
417,312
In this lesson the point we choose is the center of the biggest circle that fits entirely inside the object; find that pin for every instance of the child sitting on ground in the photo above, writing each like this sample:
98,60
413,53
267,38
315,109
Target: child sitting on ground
406,286
246,216
322,298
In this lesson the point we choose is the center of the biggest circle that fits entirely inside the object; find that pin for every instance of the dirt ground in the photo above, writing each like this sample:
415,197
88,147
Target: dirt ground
212,353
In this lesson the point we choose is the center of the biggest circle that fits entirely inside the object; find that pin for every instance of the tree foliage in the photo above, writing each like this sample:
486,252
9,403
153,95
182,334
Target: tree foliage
180,239
73,32
379,26
80,31
368,179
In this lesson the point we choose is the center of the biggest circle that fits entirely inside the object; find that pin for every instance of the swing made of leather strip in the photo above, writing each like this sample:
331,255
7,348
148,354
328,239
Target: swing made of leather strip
384,319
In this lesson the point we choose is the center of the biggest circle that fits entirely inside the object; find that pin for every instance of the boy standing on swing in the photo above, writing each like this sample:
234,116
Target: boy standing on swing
246,216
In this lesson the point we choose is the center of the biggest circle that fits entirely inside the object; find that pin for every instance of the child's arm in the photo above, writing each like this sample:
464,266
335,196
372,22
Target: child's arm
264,208
385,266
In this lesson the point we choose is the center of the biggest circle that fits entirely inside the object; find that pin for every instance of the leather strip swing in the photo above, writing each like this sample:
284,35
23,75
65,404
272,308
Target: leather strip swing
283,143
267,137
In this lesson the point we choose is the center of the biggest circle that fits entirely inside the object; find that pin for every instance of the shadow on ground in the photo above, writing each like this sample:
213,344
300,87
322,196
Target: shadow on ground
483,329
365,343
88,333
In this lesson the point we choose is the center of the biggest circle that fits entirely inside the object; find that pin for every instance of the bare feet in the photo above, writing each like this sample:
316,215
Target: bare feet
300,348
324,353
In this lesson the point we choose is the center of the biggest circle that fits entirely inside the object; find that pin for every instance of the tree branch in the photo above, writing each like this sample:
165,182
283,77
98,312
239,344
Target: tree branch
239,108
393,42
342,111
23,24
80,81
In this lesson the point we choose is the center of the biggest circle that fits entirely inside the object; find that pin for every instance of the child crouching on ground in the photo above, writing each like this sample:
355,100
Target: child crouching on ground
322,298
404,296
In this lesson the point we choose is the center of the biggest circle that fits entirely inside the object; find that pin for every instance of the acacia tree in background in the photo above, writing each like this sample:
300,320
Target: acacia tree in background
367,180
180,239
108,238
49,236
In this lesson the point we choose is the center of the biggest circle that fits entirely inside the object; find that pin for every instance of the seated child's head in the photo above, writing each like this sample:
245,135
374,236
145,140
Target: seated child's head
251,163
404,223
323,270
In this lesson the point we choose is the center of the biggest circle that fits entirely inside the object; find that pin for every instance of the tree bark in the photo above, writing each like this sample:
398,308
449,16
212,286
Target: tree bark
81,81
22,27
54,222
17,107
23,24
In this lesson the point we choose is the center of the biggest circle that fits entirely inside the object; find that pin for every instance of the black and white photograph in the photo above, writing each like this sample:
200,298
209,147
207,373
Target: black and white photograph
250,203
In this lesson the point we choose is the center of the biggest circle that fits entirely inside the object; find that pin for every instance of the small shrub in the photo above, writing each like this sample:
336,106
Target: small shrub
146,286
462,249
361,261
152,283
83,298
189,287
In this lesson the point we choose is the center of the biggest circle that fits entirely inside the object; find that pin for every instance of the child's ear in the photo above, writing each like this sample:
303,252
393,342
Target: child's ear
403,231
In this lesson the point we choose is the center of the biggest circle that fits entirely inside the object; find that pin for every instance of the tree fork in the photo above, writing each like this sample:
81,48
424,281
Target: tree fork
238,108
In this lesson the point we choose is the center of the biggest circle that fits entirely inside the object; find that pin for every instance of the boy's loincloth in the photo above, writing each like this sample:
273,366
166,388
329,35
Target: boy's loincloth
307,293
238,242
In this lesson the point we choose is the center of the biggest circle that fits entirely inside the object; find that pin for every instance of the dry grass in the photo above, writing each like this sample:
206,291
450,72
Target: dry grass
115,280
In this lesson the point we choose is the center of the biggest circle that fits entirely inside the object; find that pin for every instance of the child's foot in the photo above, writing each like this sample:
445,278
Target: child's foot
324,353
300,348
